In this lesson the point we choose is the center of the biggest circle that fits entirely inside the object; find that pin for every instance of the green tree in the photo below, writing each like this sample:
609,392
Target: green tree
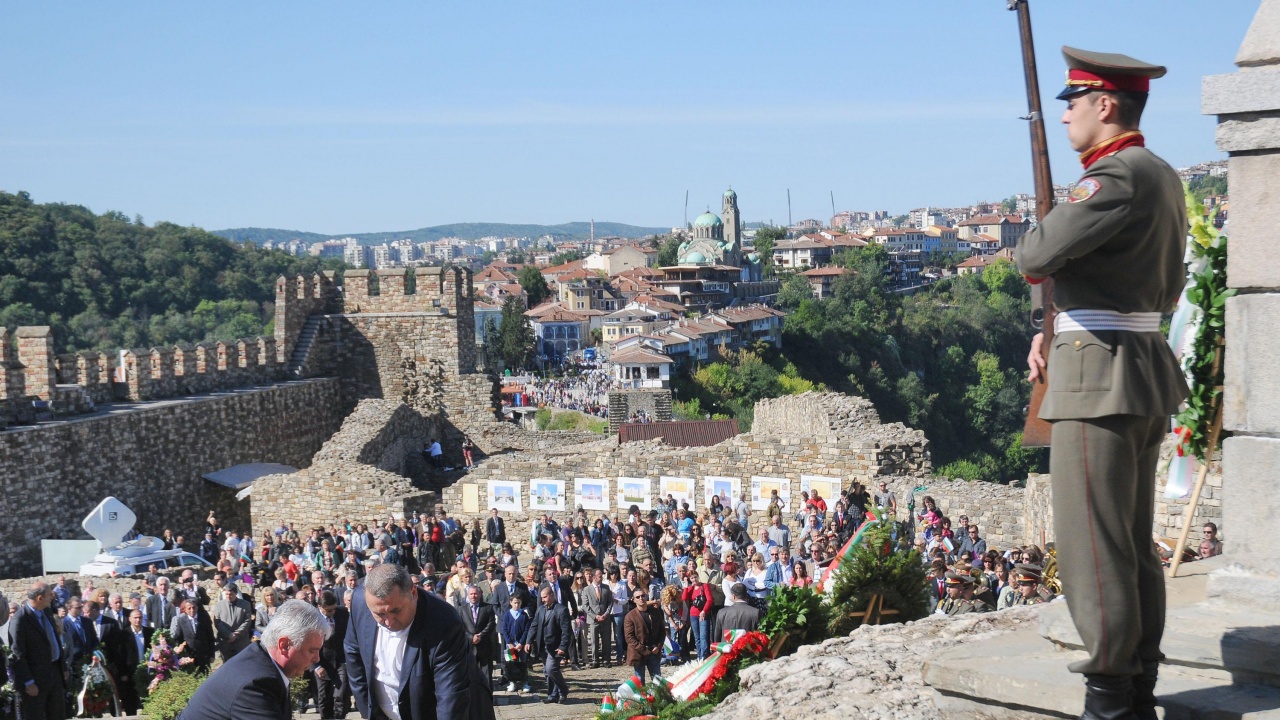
766,240
794,290
668,250
565,257
535,286
516,340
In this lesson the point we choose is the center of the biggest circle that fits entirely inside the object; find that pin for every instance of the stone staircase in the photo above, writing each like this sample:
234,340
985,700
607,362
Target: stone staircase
302,349
1222,662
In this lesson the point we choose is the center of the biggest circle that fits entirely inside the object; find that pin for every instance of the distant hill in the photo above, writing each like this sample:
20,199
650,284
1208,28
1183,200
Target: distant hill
466,231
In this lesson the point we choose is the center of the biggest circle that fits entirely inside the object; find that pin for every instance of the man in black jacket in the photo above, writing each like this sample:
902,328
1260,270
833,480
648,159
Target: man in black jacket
36,663
132,645
254,685
161,609
480,624
550,634
331,670
194,627
561,589
495,532
738,616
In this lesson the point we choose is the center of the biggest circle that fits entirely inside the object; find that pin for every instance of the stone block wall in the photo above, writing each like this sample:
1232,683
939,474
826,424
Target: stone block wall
359,473
152,459
439,290
35,355
655,403
297,299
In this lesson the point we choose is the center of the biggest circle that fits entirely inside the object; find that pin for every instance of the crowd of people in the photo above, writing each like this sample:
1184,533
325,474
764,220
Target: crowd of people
586,391
639,591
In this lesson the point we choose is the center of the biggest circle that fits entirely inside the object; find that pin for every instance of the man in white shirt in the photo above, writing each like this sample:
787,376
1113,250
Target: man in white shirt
408,656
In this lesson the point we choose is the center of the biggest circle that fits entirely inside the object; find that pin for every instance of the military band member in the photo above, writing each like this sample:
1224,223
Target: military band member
1029,580
1115,253
955,603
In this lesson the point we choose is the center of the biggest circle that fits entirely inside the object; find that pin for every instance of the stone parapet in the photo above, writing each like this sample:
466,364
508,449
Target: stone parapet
152,458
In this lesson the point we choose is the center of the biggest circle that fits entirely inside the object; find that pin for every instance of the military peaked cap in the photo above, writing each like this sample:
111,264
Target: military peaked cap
1088,71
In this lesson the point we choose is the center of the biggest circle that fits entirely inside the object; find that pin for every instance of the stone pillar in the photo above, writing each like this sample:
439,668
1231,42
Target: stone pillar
5,393
1247,103
35,354
355,290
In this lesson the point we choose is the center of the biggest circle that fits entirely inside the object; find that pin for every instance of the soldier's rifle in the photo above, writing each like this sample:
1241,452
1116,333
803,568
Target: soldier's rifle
1035,432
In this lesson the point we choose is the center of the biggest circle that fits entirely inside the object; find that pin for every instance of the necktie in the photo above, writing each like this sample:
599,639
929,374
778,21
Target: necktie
49,634
475,612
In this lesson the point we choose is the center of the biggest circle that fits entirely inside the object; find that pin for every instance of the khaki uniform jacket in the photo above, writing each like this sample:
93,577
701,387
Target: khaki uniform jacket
1119,248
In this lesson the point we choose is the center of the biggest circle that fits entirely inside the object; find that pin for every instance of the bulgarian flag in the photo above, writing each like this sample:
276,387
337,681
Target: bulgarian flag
704,677
509,653
874,516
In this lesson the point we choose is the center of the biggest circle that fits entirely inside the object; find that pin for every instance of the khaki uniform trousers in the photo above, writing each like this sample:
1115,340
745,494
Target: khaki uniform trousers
1103,475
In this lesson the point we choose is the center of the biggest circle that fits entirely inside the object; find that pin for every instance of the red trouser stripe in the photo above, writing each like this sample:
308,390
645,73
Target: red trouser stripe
1093,540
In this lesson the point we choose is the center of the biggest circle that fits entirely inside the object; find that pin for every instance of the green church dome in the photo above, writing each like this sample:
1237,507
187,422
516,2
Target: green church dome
707,219
730,194
694,258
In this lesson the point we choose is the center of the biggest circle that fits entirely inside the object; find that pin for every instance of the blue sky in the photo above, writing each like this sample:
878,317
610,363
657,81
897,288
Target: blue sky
362,117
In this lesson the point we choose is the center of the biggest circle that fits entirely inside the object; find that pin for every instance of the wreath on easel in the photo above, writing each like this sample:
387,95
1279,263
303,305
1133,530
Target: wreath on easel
1197,334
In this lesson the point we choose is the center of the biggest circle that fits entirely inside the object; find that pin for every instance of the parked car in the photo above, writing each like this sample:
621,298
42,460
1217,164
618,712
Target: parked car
135,556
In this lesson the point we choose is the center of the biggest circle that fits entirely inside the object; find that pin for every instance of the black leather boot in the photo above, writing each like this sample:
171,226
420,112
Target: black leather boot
1144,692
1108,697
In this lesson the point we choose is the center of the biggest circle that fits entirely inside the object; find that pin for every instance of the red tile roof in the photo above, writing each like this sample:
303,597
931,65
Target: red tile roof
681,433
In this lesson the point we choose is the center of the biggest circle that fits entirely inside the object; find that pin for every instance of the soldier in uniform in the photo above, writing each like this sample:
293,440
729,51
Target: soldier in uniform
955,603
1115,253
1030,588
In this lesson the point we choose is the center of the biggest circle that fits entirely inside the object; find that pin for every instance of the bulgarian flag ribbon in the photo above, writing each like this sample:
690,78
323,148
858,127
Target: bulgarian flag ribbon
704,678
874,516
606,705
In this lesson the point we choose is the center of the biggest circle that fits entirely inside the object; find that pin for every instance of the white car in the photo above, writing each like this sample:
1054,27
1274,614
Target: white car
135,556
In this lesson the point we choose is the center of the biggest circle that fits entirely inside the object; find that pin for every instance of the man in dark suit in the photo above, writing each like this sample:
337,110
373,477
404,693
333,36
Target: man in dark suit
495,531
255,683
78,638
36,663
738,616
189,587
599,611
331,671
161,609
510,585
408,657
194,627
481,628
549,635
561,589
131,646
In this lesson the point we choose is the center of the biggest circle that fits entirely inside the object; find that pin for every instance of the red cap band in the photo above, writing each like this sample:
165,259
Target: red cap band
1125,83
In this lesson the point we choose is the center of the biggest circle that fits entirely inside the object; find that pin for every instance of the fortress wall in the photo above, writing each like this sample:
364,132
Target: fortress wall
152,459
358,474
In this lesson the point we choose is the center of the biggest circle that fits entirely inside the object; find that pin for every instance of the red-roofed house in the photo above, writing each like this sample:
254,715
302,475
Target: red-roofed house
820,280
1006,229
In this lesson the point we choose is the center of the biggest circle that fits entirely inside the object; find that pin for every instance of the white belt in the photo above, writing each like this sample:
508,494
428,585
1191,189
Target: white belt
1094,320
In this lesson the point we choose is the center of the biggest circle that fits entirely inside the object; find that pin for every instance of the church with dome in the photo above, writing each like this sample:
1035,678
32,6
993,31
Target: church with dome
718,242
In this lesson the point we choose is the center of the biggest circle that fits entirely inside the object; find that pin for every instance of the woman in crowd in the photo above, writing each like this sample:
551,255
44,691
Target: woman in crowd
477,534
754,580
716,509
700,602
696,541
265,610
618,613
424,554
800,574
509,556
578,650
674,612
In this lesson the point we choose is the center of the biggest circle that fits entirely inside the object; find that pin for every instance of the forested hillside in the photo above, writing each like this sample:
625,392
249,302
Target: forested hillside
949,360
107,282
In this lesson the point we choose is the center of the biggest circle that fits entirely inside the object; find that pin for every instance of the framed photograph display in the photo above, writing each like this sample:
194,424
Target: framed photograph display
726,488
827,487
591,493
634,491
762,489
504,495
546,495
680,488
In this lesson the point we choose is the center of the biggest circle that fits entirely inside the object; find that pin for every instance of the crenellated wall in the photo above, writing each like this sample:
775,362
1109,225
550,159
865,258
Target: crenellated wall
152,458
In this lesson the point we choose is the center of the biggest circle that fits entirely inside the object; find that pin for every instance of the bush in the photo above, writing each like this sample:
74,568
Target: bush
172,695
800,613
543,418
875,567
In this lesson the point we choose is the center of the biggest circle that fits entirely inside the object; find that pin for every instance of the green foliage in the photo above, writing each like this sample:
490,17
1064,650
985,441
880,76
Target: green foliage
1208,291
569,420
565,257
947,360
534,285
172,695
875,567
765,241
668,250
800,612
795,289
543,418
731,386
665,707
104,282
1207,185
515,338
299,688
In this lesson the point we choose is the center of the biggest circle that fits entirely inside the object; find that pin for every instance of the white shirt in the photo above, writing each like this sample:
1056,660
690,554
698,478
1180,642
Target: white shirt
388,662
